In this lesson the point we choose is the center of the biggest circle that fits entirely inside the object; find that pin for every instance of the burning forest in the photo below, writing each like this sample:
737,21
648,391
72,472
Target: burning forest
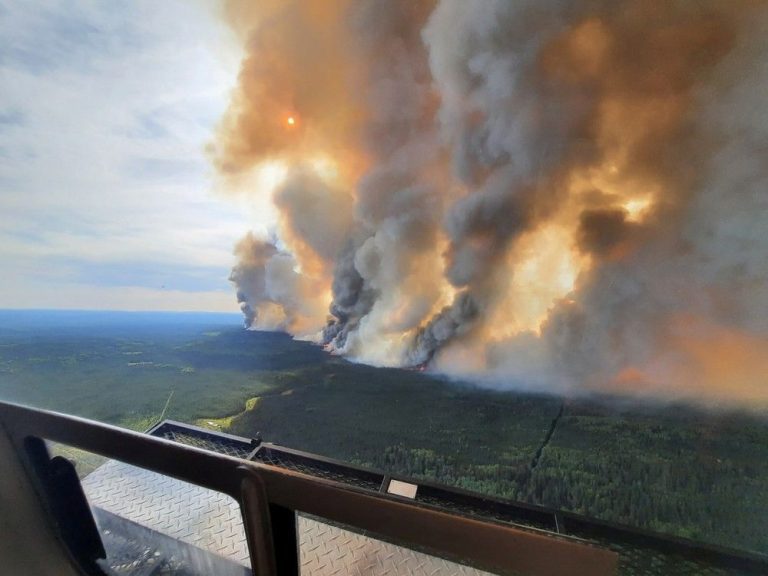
548,195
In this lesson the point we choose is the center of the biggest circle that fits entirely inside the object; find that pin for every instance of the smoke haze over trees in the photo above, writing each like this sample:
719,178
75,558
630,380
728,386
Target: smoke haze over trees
552,195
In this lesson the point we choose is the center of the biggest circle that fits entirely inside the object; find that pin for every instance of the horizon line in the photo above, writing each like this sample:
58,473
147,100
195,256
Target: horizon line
119,310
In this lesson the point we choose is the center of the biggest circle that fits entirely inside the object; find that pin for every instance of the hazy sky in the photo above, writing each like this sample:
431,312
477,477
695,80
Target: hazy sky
105,190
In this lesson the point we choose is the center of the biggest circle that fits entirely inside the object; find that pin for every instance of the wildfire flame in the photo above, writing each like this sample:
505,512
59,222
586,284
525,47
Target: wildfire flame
528,197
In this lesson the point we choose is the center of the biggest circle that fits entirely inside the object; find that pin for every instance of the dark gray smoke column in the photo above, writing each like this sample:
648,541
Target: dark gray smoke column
547,194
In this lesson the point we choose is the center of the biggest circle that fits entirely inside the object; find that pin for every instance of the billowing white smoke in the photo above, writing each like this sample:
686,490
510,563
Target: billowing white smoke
544,194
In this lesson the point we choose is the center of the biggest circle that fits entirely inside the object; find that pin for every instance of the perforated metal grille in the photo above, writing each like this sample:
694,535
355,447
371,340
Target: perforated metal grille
205,440
636,557
329,471
474,506
643,561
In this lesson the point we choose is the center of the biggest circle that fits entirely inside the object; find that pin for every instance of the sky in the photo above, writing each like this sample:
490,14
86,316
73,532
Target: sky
107,198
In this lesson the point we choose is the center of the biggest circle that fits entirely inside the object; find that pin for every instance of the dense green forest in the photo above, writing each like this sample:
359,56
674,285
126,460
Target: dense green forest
671,468
702,475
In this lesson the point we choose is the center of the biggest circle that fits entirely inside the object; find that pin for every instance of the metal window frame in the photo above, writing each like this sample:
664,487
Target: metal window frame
269,496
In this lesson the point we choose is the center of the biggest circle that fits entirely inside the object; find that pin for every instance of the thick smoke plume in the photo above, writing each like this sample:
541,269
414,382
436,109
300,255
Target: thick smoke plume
547,194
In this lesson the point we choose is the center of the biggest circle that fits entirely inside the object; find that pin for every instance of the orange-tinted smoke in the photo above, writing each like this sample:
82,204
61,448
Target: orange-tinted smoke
294,97
532,193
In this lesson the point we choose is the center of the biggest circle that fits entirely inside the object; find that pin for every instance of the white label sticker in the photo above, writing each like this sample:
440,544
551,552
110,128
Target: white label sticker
402,488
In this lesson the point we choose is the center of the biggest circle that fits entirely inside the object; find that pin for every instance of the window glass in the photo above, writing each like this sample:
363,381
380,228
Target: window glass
517,249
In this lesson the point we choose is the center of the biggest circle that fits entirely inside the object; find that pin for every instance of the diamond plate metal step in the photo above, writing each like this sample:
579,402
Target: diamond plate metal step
183,511
327,550
134,550
640,553
211,521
